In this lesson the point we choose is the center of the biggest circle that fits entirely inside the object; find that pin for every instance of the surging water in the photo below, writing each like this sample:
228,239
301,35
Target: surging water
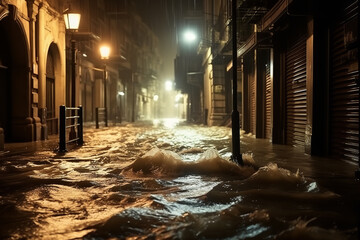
155,182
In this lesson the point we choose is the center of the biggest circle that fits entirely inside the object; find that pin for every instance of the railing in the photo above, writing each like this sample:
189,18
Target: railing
101,112
76,117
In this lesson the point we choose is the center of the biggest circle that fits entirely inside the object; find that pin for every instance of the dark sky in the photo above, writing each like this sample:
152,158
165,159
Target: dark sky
159,17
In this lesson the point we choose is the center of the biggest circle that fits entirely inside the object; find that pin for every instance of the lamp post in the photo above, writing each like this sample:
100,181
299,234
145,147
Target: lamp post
236,156
72,21
105,53
155,98
120,94
133,96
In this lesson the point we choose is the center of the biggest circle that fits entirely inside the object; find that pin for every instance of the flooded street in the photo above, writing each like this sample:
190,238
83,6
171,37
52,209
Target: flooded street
145,181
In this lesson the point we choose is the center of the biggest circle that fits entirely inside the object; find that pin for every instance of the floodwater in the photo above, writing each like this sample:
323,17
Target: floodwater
145,181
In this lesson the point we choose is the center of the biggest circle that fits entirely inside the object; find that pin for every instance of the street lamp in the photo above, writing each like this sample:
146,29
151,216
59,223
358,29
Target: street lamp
189,36
72,21
168,85
105,53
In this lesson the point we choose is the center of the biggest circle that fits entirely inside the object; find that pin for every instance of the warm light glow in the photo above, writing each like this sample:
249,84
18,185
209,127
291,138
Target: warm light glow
72,20
156,97
156,122
178,97
170,122
168,85
190,36
105,52
121,93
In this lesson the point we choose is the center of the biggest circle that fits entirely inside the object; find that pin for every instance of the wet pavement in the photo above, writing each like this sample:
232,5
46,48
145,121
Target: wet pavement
183,190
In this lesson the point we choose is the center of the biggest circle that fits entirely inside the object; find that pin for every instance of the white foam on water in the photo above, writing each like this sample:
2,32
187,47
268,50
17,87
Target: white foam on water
167,164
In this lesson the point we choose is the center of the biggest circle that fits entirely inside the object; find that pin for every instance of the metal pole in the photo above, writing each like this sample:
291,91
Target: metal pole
80,126
72,134
133,98
97,117
73,73
120,110
105,98
236,157
62,134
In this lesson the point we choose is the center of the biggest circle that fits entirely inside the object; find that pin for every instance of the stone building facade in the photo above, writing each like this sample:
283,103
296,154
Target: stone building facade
32,51
35,66
298,72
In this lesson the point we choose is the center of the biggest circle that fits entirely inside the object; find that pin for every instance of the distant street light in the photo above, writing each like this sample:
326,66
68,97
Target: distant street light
105,53
168,85
189,36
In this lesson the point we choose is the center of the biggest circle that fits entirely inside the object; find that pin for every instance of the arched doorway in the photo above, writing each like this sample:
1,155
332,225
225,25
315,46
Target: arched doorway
50,93
52,87
15,81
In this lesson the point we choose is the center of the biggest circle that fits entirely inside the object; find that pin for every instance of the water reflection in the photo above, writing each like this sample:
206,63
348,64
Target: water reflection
146,181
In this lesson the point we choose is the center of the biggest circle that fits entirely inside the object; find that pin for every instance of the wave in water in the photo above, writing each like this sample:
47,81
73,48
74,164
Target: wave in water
165,163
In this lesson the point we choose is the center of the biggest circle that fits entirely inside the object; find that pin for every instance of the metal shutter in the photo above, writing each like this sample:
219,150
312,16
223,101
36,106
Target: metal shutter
252,96
344,95
296,92
267,102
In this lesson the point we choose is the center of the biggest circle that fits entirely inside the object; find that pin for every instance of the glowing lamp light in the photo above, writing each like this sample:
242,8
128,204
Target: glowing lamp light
168,85
104,52
156,97
190,36
72,20
121,93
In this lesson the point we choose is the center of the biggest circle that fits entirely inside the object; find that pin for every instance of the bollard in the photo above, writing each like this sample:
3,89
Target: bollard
62,132
80,126
97,117
105,117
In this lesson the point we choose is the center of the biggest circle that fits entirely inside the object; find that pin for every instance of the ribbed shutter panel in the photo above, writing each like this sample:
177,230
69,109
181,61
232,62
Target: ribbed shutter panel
296,92
268,103
344,93
252,94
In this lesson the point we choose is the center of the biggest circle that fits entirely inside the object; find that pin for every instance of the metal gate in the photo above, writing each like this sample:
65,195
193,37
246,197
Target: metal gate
296,92
344,93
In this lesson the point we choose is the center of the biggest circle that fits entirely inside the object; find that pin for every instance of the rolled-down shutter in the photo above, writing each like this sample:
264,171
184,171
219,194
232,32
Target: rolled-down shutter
296,92
252,95
268,102
344,93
